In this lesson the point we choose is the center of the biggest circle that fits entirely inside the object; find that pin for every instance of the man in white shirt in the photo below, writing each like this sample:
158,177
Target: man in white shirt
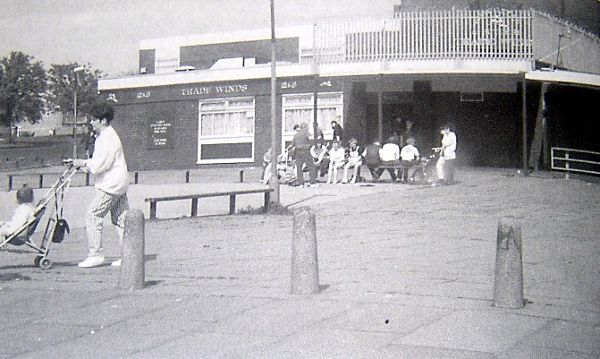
409,156
110,169
445,164
390,155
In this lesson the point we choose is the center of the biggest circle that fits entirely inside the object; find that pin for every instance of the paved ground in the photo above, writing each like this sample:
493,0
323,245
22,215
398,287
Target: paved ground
405,272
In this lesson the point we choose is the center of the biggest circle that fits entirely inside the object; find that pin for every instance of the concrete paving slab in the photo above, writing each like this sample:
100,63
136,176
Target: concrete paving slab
546,353
280,318
418,352
200,313
109,342
569,336
385,317
107,312
476,331
330,343
38,336
209,345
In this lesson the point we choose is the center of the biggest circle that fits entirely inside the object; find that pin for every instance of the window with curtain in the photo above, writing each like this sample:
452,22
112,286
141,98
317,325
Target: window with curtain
226,130
298,109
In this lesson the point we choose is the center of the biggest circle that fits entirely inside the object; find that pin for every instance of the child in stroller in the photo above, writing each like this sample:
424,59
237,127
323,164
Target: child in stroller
22,214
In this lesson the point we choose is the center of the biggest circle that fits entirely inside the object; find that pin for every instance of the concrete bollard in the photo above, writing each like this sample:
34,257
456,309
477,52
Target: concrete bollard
305,264
508,280
132,252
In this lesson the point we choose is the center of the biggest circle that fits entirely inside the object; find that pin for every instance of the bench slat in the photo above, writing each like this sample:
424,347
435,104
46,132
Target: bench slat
205,195
194,197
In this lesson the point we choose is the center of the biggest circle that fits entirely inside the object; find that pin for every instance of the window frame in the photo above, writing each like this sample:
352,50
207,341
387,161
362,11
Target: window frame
226,138
338,104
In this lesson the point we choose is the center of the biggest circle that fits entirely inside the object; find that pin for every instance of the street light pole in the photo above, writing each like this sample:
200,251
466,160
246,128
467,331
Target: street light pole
75,71
274,181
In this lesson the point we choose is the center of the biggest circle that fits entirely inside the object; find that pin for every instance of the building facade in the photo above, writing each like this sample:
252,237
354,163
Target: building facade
205,100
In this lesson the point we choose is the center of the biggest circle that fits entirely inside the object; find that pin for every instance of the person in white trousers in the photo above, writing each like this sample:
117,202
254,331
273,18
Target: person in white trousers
445,164
109,167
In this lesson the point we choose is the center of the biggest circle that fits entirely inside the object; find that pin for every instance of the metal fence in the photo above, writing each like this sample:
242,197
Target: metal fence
571,160
469,34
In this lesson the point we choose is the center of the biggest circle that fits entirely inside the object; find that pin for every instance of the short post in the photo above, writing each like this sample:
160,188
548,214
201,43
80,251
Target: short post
136,178
10,182
194,207
567,165
87,178
187,176
132,252
305,264
232,204
41,181
508,280
241,176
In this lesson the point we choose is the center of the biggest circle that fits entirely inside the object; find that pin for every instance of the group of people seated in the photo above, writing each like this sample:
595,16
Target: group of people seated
330,158
398,162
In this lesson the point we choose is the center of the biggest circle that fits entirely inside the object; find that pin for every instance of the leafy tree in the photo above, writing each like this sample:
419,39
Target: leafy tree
22,89
64,80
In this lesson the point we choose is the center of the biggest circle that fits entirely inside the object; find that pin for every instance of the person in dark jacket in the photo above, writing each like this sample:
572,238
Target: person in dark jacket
372,159
302,144
338,131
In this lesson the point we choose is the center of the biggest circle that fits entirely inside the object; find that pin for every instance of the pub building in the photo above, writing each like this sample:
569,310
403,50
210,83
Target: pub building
492,73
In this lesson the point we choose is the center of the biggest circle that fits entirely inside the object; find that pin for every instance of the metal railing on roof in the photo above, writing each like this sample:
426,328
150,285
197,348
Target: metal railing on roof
578,161
468,34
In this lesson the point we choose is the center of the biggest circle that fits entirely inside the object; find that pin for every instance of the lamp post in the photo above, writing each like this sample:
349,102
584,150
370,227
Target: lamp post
75,71
274,181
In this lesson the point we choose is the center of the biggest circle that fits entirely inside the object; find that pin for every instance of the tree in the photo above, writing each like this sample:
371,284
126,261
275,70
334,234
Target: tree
22,89
64,81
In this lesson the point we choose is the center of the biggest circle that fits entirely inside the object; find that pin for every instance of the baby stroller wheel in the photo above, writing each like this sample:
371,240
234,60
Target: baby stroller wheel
45,263
37,260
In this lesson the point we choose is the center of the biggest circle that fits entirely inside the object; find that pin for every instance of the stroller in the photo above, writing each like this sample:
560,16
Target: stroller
425,172
56,225
286,168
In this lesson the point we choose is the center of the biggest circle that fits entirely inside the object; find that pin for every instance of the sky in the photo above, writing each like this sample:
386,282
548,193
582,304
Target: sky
106,33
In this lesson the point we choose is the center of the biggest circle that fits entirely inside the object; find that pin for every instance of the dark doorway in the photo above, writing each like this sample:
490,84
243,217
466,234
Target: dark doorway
397,108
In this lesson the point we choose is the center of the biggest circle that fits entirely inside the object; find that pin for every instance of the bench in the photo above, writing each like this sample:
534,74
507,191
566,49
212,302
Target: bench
416,165
194,198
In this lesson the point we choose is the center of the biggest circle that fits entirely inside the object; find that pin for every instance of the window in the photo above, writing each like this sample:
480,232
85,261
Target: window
226,131
298,109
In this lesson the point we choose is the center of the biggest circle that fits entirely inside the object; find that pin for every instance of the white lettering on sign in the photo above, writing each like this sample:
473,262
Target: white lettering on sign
141,95
326,83
161,134
112,97
231,88
288,85
195,91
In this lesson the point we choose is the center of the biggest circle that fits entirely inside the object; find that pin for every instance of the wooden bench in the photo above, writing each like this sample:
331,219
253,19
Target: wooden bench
417,165
194,198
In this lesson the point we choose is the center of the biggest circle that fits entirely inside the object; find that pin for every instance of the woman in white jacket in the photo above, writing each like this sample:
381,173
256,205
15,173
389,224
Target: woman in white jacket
110,169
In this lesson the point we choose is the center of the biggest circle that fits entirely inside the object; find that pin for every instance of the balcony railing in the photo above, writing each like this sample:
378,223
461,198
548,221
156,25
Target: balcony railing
467,34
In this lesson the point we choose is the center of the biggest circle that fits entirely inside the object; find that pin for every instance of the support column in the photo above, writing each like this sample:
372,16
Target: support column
380,109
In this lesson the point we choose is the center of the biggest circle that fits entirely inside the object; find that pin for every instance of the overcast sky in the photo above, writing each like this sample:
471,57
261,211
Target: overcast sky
106,33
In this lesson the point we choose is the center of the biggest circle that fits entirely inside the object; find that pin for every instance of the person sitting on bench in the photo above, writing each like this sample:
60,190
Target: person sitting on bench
22,214
320,156
390,155
337,160
409,156
354,159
